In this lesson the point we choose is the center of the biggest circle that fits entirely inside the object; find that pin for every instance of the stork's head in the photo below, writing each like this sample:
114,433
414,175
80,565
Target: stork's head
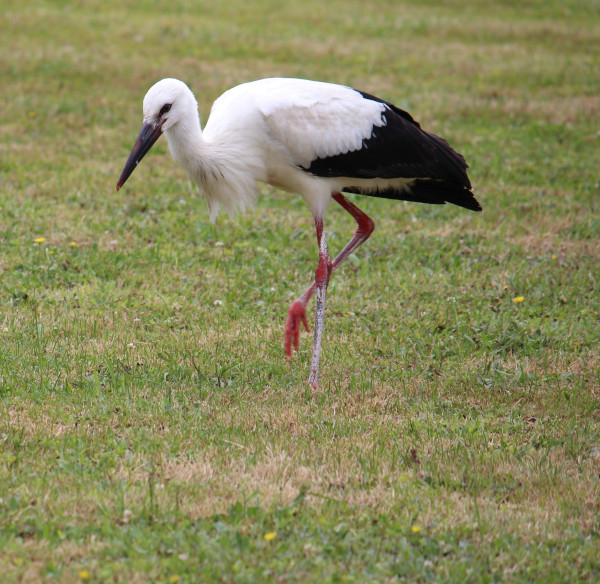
167,103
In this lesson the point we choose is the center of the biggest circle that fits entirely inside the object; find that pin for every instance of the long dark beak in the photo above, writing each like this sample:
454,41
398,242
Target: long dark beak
148,135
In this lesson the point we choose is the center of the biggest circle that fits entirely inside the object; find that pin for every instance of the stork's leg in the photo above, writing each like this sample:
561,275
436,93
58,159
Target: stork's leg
322,274
297,311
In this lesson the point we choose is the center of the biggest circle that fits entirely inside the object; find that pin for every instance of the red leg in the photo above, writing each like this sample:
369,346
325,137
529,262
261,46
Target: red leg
297,311
366,226
322,274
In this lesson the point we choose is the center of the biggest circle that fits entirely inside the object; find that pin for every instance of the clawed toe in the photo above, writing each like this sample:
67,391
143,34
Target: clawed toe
296,317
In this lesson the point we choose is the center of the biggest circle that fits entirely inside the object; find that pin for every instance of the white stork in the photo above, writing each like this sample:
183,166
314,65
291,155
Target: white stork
307,137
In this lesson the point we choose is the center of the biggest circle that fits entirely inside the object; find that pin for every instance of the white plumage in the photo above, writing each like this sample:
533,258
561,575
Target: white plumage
308,137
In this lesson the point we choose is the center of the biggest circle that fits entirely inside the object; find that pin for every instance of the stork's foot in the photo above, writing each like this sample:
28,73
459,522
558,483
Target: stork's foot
296,317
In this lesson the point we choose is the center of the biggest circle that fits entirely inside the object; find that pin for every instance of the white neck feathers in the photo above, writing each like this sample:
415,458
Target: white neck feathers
217,167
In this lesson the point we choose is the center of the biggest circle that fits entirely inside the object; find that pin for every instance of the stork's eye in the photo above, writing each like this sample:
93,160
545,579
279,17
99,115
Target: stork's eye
164,109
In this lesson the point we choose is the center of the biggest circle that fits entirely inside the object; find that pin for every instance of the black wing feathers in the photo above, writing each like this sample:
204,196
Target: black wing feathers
401,149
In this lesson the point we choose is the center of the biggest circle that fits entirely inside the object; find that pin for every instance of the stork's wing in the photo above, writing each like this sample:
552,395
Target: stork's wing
347,133
315,120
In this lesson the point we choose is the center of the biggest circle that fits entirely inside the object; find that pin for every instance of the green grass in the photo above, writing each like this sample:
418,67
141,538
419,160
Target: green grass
150,433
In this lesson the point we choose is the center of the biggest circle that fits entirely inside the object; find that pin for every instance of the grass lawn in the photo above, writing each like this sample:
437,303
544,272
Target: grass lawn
151,429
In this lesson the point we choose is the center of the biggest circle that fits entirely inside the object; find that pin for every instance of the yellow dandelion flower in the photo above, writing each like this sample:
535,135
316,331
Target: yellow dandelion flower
39,240
84,574
518,299
174,579
73,244
553,256
416,528
270,536
5,329
50,252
